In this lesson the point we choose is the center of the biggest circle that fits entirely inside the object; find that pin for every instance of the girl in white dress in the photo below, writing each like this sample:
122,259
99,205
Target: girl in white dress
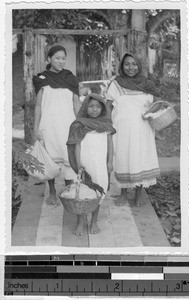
57,103
90,146
129,96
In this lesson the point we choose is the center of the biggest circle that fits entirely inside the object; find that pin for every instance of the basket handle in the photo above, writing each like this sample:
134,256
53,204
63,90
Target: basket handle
78,182
154,104
162,101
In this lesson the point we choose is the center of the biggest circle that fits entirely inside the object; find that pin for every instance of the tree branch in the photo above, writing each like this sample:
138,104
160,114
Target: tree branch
157,20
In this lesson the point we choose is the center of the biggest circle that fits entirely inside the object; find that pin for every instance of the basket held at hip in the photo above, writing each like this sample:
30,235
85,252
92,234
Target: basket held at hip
165,118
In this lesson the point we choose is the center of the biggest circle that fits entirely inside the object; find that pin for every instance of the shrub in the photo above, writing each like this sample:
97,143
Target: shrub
20,177
168,86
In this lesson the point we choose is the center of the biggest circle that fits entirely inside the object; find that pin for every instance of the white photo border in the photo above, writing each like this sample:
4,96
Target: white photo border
184,161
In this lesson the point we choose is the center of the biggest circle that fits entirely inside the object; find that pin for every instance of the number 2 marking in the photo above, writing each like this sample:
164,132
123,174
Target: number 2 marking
116,286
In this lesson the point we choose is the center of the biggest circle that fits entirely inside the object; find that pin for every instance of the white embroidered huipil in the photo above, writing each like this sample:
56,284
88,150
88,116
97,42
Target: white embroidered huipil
135,155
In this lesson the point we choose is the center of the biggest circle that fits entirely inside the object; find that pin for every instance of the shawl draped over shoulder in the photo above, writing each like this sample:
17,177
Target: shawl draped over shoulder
81,126
63,79
139,82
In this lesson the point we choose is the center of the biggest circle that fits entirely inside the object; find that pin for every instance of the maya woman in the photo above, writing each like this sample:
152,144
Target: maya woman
129,96
57,104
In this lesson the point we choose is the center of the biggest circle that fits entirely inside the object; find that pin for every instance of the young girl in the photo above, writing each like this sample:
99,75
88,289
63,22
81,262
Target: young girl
90,146
57,104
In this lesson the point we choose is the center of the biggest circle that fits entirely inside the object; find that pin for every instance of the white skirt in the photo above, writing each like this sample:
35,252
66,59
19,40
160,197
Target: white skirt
94,157
56,118
135,155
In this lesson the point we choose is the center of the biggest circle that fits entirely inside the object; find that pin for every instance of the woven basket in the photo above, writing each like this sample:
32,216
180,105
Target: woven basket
76,205
166,118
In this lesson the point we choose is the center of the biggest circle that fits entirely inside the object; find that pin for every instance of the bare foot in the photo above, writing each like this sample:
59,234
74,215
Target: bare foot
94,228
52,200
140,199
122,200
79,231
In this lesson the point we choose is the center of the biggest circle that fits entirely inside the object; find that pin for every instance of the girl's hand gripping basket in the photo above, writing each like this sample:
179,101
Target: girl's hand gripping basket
78,198
161,118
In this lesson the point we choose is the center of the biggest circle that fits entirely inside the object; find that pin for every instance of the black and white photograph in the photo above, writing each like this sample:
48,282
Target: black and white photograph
97,155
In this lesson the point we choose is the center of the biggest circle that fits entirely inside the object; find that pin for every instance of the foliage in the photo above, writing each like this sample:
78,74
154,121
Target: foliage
68,19
168,85
60,18
23,158
20,185
170,88
92,19
164,22
96,43
163,27
165,198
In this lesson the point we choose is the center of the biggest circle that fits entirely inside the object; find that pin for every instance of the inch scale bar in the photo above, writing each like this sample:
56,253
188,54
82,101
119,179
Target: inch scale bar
98,260
98,287
79,275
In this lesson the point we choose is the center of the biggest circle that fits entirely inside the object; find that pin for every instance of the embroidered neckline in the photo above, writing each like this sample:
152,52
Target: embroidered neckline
123,91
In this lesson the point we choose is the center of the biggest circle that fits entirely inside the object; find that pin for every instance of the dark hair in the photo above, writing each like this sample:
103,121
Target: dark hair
52,51
103,106
55,49
83,109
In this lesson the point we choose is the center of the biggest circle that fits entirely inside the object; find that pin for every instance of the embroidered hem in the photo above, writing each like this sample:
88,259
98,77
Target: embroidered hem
145,178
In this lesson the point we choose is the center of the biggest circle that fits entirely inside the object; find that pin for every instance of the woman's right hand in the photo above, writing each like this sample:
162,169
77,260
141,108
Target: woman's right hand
36,136
150,119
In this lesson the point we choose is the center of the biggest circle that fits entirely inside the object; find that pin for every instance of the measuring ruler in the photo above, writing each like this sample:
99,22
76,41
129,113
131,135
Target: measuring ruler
69,275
